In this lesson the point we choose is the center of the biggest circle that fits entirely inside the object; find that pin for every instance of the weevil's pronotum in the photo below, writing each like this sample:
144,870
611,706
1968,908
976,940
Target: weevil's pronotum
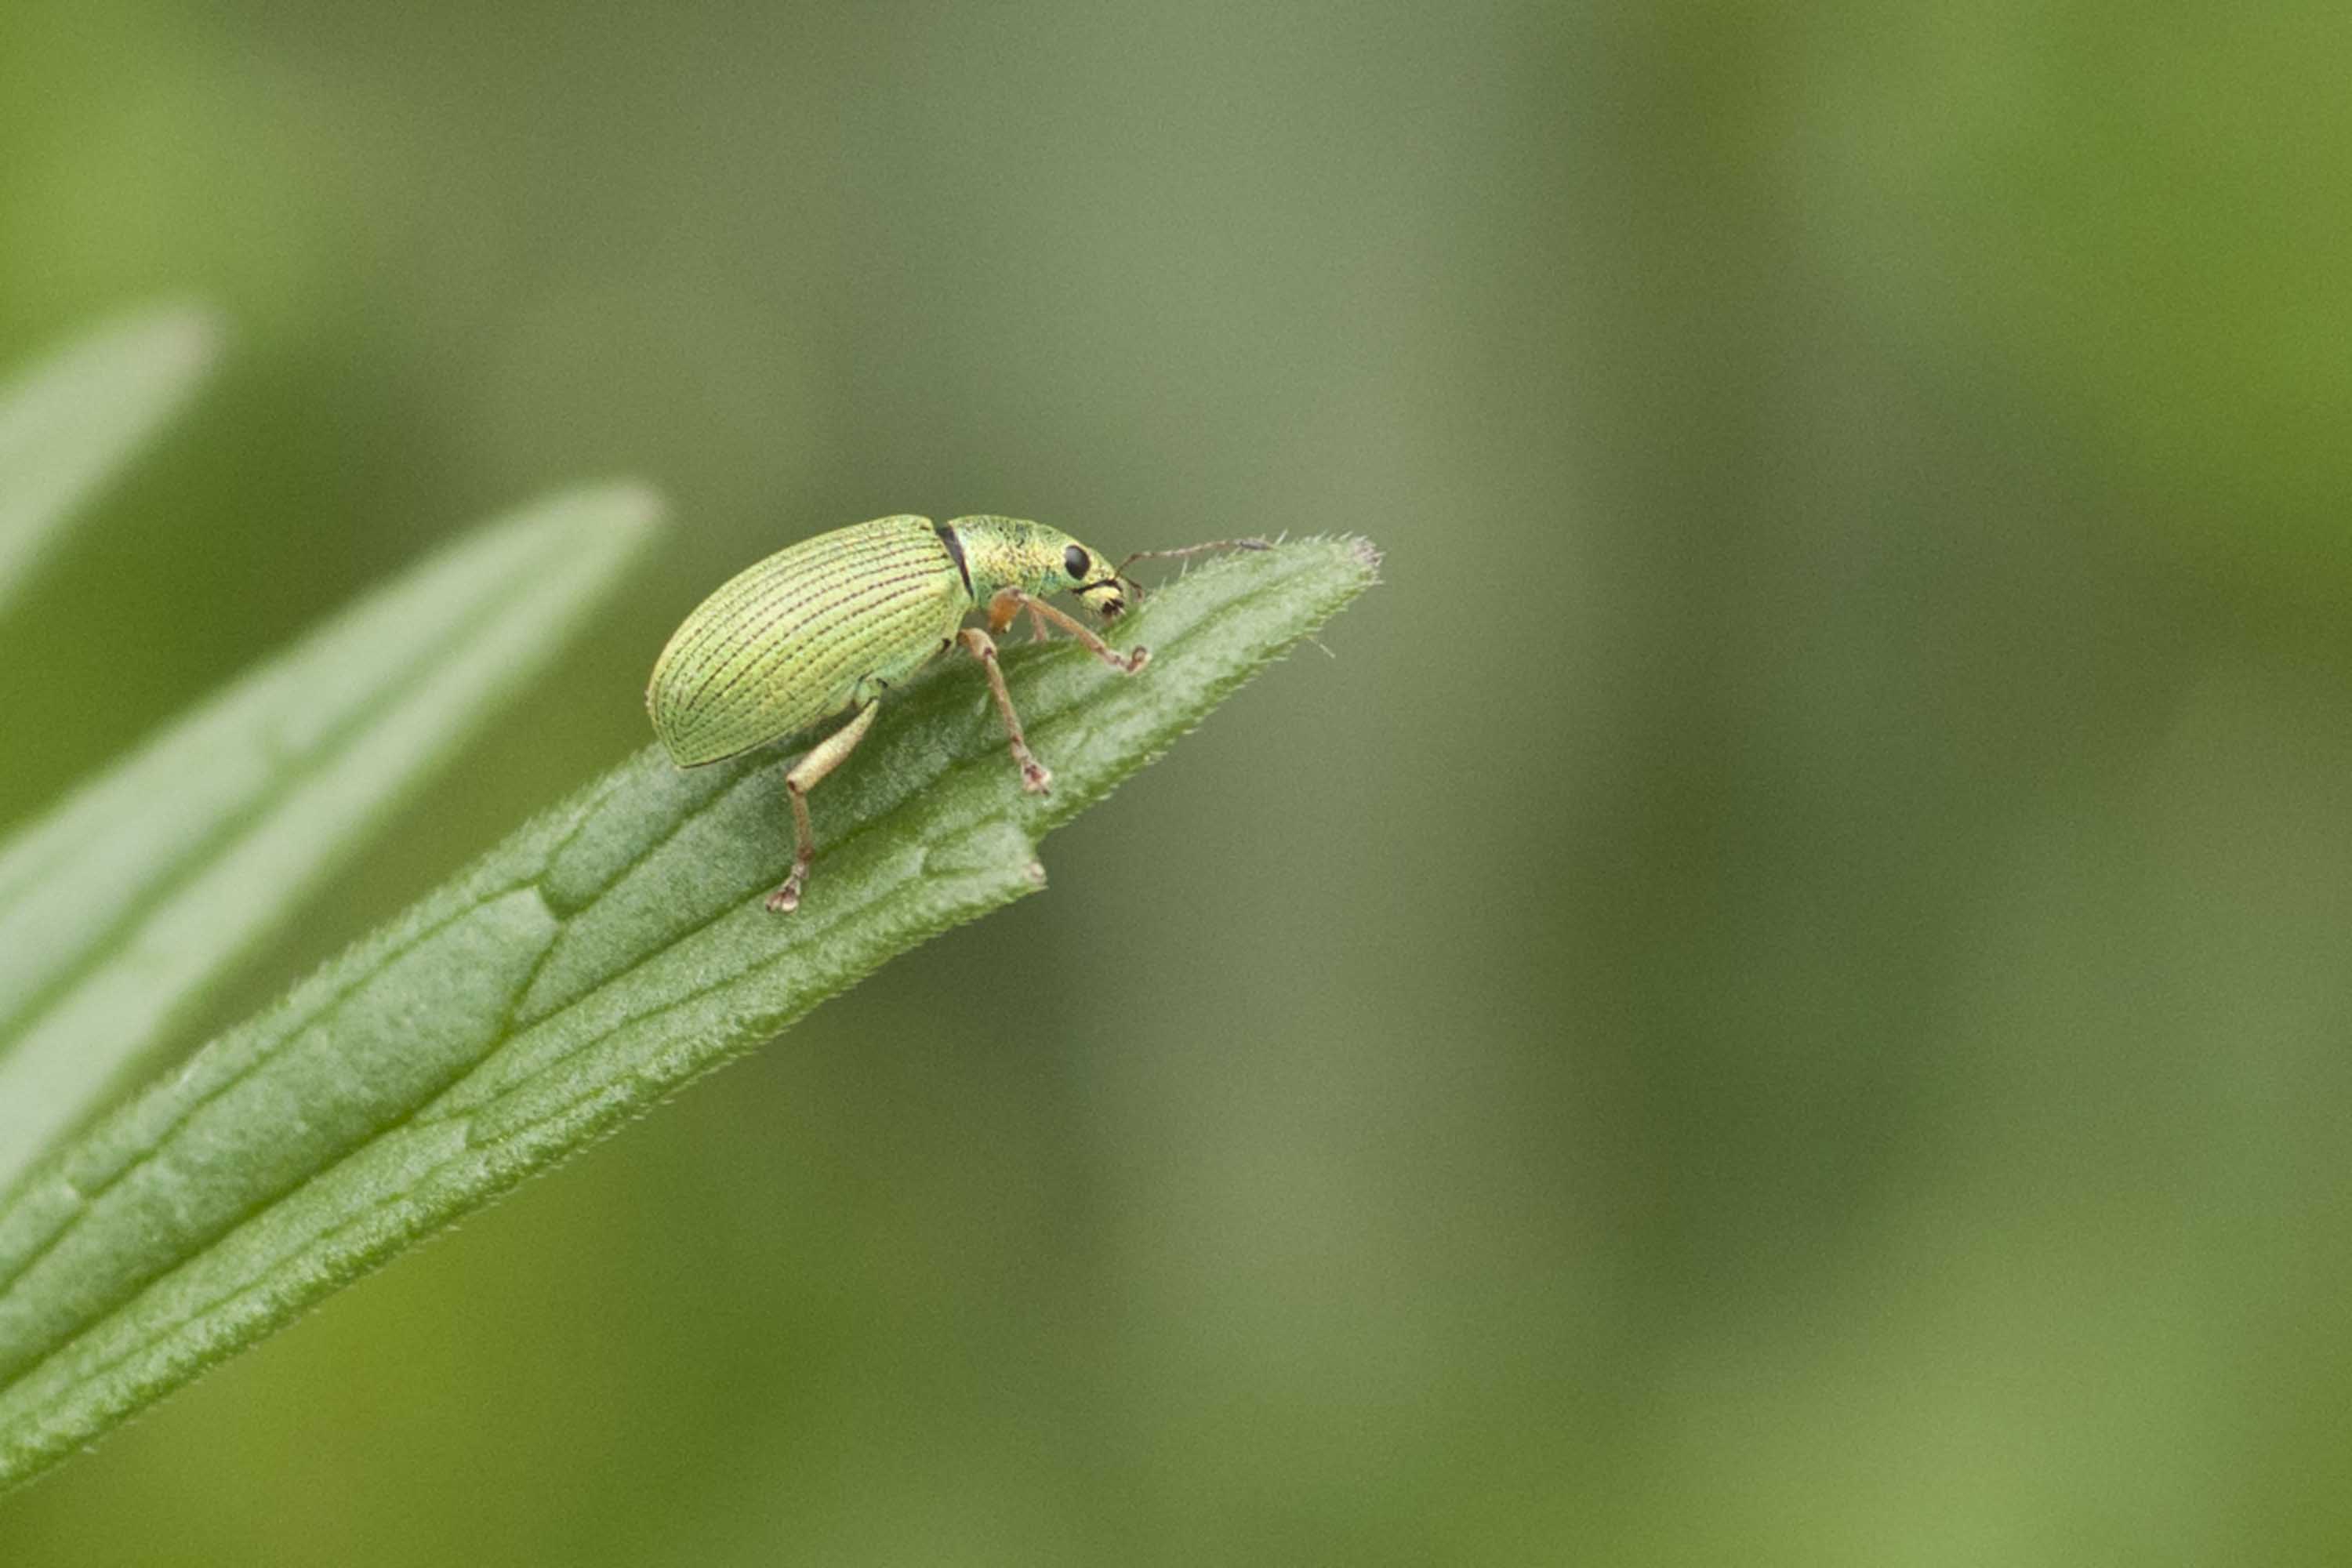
830,624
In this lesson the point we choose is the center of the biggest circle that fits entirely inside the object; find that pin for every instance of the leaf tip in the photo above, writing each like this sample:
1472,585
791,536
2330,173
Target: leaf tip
626,497
627,508
595,528
172,344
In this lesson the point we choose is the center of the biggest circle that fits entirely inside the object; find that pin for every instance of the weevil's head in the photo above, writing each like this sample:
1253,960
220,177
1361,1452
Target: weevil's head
1013,552
1093,580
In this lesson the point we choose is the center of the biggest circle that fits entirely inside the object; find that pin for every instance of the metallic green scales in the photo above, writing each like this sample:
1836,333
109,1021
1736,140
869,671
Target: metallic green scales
831,624
815,628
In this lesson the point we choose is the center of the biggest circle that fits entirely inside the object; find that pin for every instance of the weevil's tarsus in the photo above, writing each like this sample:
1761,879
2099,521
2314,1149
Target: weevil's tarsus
803,776
1034,776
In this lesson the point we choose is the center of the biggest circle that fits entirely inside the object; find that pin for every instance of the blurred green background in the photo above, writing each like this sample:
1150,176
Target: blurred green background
1781,1000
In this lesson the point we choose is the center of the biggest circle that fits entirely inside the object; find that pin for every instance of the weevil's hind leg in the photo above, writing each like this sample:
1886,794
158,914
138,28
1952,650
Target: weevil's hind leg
805,775
1034,778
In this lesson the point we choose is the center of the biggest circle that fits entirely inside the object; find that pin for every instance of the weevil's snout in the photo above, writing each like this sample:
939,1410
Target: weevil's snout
1108,600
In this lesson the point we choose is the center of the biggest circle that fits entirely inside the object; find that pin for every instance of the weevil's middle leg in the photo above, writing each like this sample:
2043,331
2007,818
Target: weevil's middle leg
1034,777
803,776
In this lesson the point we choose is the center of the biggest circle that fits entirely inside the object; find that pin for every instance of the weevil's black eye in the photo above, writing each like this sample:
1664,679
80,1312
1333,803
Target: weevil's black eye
1076,561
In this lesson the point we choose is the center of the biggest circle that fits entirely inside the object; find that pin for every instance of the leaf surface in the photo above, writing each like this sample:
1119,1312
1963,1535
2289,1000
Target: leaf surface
607,953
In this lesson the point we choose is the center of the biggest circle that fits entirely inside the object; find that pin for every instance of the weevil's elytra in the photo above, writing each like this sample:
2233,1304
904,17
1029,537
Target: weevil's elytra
827,626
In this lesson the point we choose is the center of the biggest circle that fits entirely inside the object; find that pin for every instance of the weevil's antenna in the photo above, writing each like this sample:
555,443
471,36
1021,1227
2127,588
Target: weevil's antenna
1194,549
1120,570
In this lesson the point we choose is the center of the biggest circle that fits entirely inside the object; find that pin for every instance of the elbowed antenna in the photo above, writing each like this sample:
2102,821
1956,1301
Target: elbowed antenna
1120,571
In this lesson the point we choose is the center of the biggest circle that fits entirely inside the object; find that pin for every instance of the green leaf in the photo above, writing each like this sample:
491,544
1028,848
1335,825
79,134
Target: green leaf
71,421
119,905
600,958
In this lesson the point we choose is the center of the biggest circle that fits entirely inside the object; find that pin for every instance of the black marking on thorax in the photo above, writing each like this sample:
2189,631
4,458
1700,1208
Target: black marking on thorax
955,548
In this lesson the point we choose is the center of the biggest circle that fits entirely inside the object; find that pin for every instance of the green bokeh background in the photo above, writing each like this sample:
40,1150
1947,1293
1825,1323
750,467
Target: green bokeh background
1783,997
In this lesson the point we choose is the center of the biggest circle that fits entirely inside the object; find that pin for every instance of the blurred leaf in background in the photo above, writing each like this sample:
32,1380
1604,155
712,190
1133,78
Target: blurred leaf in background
123,904
1794,1008
73,419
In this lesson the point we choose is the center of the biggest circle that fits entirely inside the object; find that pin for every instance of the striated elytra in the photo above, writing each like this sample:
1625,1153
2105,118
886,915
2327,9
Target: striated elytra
828,625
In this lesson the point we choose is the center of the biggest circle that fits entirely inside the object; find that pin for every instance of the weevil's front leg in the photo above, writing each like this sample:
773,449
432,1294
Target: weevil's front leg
805,775
1010,602
1034,778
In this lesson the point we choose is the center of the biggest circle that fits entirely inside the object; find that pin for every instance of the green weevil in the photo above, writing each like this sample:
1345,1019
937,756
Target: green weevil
828,625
